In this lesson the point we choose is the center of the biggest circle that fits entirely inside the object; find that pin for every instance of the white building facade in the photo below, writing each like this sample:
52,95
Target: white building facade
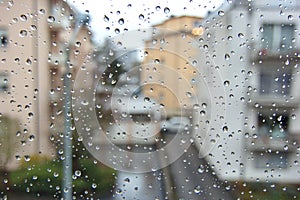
254,46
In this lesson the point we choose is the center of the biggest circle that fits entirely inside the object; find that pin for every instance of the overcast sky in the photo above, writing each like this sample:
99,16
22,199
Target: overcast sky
132,15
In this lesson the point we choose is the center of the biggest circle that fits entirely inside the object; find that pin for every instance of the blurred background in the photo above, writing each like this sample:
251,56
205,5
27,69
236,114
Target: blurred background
211,87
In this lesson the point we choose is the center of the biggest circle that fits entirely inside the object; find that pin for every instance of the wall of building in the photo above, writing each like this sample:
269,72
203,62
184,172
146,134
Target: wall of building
24,62
235,43
33,62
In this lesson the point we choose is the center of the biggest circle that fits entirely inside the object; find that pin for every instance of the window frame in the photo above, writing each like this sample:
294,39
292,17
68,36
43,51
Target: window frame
277,39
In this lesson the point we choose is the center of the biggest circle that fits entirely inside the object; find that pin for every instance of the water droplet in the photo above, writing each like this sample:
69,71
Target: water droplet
124,114
281,13
228,187
42,11
23,33
51,19
77,173
106,19
227,56
55,174
261,29
197,189
119,191
94,185
28,62
78,44
27,158
141,17
221,13
23,18
33,27
117,31
290,17
226,83
202,113
196,106
121,21
241,35
146,99
31,138
157,8
287,62
188,94
229,27
194,63
166,10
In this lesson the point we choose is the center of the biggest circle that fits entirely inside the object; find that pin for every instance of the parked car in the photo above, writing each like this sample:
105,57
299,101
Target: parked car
175,124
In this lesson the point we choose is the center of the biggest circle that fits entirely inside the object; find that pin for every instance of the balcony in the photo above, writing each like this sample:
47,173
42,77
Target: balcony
260,53
273,144
286,143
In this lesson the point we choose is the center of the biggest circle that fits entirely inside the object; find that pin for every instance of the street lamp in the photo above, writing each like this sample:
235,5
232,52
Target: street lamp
67,81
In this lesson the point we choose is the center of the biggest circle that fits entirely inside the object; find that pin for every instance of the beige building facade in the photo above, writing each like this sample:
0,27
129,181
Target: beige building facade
168,75
34,37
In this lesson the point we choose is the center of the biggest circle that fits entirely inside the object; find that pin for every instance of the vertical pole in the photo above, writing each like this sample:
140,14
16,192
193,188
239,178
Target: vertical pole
67,164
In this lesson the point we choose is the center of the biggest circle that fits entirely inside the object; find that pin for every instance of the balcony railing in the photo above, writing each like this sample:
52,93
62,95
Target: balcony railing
268,143
258,52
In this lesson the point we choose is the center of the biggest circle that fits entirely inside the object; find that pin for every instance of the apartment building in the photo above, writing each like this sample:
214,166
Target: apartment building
255,47
167,76
34,36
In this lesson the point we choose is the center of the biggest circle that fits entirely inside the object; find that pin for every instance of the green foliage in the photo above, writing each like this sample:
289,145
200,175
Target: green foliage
267,191
44,176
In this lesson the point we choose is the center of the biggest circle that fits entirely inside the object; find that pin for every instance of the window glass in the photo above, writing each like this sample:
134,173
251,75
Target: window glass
3,38
278,36
3,82
155,99
274,83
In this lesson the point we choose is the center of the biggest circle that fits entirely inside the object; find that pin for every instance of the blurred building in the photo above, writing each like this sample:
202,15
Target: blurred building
250,51
33,39
255,47
167,77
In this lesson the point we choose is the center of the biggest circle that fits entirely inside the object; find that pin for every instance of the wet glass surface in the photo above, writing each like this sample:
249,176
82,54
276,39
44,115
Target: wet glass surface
149,100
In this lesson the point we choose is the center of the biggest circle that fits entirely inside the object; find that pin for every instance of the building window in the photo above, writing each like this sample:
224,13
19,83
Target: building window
271,160
3,38
273,126
274,82
3,83
278,37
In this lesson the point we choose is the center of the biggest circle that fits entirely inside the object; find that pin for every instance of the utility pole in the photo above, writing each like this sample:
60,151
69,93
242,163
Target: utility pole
67,81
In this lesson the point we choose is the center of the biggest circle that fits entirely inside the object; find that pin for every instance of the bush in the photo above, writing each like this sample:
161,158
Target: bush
266,191
45,176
